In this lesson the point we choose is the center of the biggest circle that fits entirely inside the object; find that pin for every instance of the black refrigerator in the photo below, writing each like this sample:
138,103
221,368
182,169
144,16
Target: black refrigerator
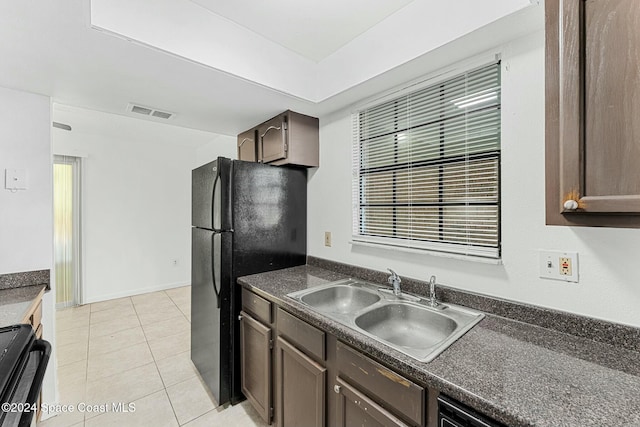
247,218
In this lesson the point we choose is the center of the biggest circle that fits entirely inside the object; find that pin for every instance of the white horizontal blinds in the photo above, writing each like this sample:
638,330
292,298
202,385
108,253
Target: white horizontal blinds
426,167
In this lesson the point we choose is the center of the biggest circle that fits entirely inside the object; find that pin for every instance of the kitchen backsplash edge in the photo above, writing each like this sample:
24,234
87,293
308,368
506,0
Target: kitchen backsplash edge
615,334
26,278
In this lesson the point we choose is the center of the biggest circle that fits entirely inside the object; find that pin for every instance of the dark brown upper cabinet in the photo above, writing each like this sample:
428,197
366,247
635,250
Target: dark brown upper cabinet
247,147
289,138
593,112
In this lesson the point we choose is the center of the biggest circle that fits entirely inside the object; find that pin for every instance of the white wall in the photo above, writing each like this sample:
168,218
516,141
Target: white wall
26,216
222,145
609,286
136,200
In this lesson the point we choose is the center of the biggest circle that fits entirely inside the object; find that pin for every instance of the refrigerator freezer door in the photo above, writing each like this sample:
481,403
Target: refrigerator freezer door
211,195
202,189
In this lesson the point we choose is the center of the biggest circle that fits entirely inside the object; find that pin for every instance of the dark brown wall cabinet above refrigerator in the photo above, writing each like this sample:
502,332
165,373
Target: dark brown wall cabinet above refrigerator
289,138
593,113
247,147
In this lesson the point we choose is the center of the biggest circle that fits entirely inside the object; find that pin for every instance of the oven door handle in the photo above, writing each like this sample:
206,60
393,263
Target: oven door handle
45,348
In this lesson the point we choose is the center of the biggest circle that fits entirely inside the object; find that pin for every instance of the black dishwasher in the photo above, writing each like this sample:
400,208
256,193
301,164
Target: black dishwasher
455,414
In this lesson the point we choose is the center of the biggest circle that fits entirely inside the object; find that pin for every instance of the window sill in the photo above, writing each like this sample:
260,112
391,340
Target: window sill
398,248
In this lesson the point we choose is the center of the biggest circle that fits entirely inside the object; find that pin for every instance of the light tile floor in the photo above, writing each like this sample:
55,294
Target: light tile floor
135,350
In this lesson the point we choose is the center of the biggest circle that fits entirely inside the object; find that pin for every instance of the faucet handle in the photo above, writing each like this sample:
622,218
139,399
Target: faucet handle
394,277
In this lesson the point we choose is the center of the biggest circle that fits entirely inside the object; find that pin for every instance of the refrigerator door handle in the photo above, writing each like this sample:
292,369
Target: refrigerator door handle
213,268
213,201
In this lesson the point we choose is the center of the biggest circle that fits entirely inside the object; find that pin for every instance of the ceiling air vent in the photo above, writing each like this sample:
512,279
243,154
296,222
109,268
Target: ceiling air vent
161,114
148,111
62,126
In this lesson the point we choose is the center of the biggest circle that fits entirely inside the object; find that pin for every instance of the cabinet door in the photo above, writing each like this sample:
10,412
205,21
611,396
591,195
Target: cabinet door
255,363
593,112
356,409
272,140
300,385
247,146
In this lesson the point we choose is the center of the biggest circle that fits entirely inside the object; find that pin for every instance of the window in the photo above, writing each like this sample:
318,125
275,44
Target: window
426,167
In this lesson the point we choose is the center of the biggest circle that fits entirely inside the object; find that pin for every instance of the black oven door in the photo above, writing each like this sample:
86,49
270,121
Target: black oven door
22,367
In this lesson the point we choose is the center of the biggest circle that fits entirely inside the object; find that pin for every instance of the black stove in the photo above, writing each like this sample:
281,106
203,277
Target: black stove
23,362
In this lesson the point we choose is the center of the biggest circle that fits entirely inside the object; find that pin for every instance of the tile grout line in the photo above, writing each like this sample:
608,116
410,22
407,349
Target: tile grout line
166,392
86,373
155,363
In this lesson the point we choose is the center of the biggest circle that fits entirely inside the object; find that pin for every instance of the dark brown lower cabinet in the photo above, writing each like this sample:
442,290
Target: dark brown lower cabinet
397,394
256,362
300,384
356,409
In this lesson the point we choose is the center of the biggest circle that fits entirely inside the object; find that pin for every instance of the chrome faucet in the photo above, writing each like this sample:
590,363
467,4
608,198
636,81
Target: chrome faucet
432,292
394,280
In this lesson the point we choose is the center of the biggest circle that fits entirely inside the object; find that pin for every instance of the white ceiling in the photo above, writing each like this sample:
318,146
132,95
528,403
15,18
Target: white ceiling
313,30
51,48
90,122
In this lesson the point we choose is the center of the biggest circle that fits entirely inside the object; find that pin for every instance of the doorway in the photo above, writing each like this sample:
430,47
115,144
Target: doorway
66,231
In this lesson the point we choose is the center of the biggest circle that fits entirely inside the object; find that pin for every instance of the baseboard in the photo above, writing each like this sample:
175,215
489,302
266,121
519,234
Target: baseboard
137,291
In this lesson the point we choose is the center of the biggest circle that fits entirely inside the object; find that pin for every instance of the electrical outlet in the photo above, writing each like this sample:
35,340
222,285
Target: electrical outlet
327,238
565,266
557,265
175,262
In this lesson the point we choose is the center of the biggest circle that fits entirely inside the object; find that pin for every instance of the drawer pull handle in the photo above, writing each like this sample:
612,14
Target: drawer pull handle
336,388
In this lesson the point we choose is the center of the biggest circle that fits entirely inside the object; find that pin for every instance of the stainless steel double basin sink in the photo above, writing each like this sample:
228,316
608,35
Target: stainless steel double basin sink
405,322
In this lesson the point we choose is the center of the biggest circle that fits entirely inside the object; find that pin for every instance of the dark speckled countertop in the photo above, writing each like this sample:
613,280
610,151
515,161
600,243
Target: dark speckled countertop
15,302
515,372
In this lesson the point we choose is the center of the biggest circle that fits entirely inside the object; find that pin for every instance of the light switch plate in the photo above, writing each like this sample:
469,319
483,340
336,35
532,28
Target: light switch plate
15,179
558,265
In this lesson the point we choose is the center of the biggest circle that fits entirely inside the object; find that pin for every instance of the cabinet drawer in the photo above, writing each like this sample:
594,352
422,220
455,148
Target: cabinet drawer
257,306
355,408
392,391
301,334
